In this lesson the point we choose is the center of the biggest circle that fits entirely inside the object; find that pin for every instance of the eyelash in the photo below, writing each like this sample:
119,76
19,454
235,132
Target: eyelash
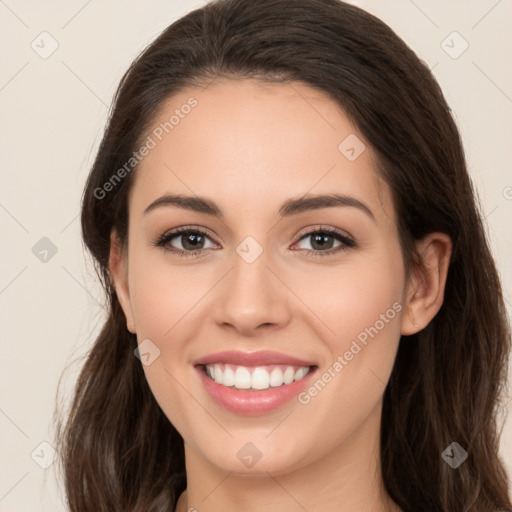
347,242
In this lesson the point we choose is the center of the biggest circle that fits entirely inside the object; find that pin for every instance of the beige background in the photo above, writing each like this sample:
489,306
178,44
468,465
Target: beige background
53,111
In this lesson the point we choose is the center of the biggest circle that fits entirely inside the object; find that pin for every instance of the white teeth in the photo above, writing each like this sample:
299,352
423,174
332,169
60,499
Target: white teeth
276,378
288,375
260,379
241,378
217,374
228,378
301,372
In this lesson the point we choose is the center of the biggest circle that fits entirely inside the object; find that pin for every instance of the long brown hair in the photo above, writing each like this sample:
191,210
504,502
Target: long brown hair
119,452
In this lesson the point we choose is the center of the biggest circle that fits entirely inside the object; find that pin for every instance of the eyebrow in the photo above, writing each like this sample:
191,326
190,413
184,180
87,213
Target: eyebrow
288,208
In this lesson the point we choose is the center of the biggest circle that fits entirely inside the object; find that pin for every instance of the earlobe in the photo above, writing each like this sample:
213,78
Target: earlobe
425,292
119,275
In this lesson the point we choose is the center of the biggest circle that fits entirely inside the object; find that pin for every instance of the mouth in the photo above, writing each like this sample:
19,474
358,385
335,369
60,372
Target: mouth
255,378
253,383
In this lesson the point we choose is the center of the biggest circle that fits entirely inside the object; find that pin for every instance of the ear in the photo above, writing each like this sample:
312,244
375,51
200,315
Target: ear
425,289
118,267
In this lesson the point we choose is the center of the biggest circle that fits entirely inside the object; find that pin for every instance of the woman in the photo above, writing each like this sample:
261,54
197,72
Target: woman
304,313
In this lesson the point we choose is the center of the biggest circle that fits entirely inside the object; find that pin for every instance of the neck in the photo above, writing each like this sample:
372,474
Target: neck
347,479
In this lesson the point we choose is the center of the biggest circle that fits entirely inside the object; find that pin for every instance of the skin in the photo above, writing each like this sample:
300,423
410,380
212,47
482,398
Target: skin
249,147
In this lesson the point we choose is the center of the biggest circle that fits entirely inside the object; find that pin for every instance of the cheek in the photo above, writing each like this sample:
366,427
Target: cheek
162,294
162,298
361,305
166,299
363,309
356,296
369,338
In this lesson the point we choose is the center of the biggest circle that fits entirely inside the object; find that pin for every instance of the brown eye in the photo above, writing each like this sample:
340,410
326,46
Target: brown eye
322,242
184,241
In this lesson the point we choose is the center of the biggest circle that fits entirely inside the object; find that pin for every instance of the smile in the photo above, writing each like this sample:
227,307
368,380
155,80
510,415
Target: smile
253,383
255,378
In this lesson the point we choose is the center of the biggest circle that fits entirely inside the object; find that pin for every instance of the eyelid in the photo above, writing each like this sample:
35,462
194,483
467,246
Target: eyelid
180,230
304,231
322,227
347,241
184,229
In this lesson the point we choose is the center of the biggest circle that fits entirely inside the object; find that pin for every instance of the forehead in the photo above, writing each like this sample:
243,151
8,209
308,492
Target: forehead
250,143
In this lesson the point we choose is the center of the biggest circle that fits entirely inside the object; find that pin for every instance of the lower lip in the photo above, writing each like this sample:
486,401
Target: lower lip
243,401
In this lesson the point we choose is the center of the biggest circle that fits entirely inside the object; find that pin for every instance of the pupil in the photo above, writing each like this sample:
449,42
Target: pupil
320,239
189,239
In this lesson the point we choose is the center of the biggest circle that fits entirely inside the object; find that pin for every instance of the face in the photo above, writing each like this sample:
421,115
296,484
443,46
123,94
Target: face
315,286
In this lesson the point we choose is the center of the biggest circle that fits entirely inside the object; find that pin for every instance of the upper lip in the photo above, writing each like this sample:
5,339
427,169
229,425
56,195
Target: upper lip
261,358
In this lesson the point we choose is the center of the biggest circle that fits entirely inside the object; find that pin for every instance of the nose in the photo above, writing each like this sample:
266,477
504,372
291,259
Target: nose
252,299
